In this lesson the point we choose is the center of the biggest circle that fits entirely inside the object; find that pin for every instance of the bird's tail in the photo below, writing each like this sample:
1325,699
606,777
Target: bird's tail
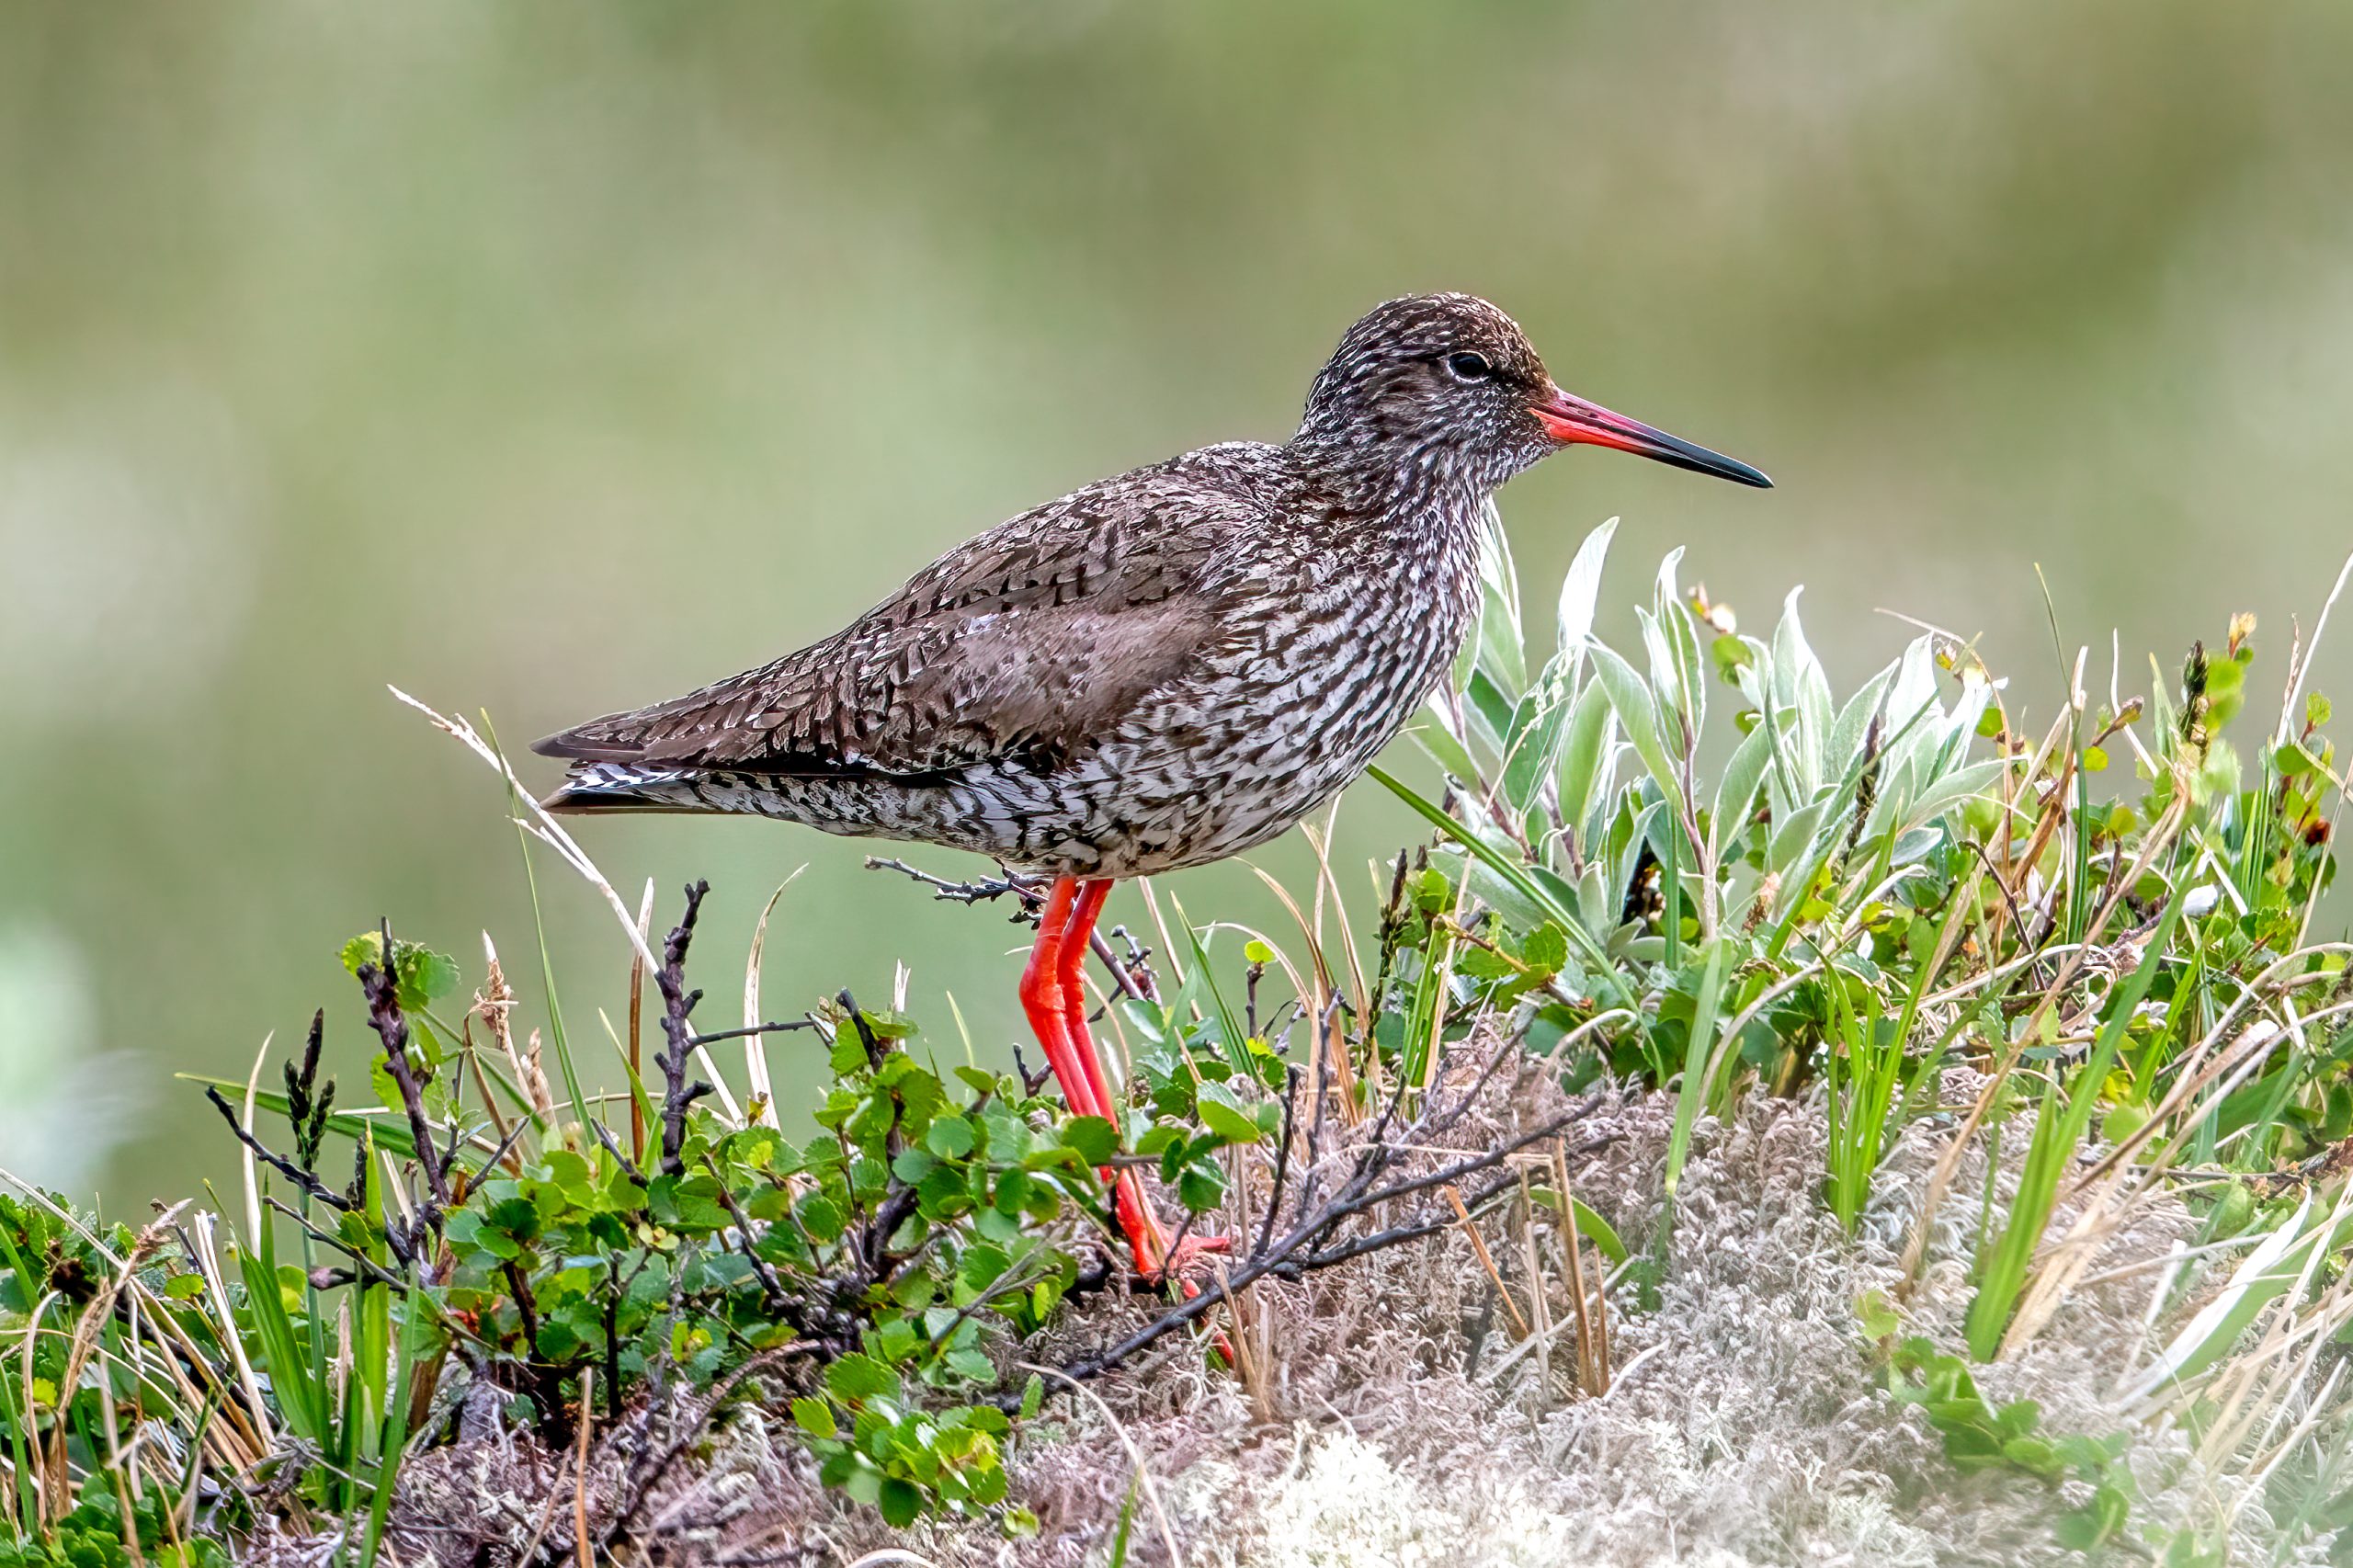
603,788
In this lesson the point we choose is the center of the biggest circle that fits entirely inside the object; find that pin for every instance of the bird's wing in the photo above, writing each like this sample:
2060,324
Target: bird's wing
1023,643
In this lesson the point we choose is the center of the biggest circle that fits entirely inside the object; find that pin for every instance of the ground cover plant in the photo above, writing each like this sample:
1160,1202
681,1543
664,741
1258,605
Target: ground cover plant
2075,956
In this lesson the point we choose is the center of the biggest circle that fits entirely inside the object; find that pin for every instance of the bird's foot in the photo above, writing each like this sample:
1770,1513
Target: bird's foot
1185,1263
1158,1258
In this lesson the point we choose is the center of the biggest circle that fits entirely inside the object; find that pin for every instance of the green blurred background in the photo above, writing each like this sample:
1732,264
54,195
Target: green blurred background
550,358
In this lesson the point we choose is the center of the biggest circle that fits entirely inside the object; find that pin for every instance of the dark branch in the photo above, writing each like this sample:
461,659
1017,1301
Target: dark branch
1313,1241
612,1146
717,1035
380,982
677,1002
311,1186
942,889
1282,1163
772,1287
368,1268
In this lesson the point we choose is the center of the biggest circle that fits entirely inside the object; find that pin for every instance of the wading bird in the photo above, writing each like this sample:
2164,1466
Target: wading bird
1159,670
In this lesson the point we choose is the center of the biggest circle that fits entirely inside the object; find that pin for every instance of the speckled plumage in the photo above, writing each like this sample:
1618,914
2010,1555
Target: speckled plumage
1161,669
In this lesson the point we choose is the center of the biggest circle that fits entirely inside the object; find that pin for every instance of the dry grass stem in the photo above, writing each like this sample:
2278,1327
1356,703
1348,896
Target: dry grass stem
1479,1245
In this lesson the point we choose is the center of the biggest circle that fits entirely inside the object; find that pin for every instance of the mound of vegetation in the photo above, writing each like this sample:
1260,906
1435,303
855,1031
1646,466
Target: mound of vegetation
1909,1136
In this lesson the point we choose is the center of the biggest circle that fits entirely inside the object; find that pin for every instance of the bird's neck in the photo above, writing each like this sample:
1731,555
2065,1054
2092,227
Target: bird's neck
1419,487
1420,526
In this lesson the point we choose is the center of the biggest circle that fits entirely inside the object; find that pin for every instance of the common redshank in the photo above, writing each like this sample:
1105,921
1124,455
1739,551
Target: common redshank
1159,670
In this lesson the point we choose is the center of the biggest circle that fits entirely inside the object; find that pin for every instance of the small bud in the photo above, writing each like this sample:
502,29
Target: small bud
1717,617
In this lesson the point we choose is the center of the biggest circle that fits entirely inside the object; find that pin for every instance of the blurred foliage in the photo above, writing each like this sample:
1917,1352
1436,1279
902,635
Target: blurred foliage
1980,1436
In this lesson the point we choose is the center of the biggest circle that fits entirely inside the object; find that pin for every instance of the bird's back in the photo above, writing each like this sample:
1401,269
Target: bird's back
1020,640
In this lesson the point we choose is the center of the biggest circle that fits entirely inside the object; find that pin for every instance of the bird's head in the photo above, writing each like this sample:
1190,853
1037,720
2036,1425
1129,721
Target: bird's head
1434,387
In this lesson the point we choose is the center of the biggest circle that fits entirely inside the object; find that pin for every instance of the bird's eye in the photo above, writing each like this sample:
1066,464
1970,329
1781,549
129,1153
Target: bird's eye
1468,367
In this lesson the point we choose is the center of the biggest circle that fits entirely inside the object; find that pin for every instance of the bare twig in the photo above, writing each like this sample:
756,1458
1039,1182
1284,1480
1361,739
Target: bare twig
942,889
769,1284
363,1266
1282,1163
645,1473
612,1146
580,1462
717,1035
677,1002
380,981
311,1184
1486,1260
1314,1242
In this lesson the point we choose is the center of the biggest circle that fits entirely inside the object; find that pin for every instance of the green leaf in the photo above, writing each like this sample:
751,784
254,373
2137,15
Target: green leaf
950,1137
2033,1454
1507,867
814,1416
1698,1054
1583,751
944,1193
1596,1229
982,1265
1434,733
1094,1138
1033,1395
900,1502
848,1053
1638,715
1201,1187
2098,1522
687,1203
821,1217
1736,793
896,1340
424,975
1224,1115
1547,948
856,1379
1230,1033
1580,589
2018,1418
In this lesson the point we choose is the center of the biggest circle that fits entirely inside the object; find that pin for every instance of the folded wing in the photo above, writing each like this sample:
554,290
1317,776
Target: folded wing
1023,643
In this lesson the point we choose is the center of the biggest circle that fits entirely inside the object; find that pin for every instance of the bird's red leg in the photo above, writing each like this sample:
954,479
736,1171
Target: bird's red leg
1078,935
1042,998
1145,1233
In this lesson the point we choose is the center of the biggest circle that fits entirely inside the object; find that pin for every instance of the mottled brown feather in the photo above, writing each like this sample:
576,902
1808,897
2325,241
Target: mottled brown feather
1022,643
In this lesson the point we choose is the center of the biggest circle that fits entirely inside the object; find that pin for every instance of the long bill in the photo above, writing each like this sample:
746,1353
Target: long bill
1572,421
